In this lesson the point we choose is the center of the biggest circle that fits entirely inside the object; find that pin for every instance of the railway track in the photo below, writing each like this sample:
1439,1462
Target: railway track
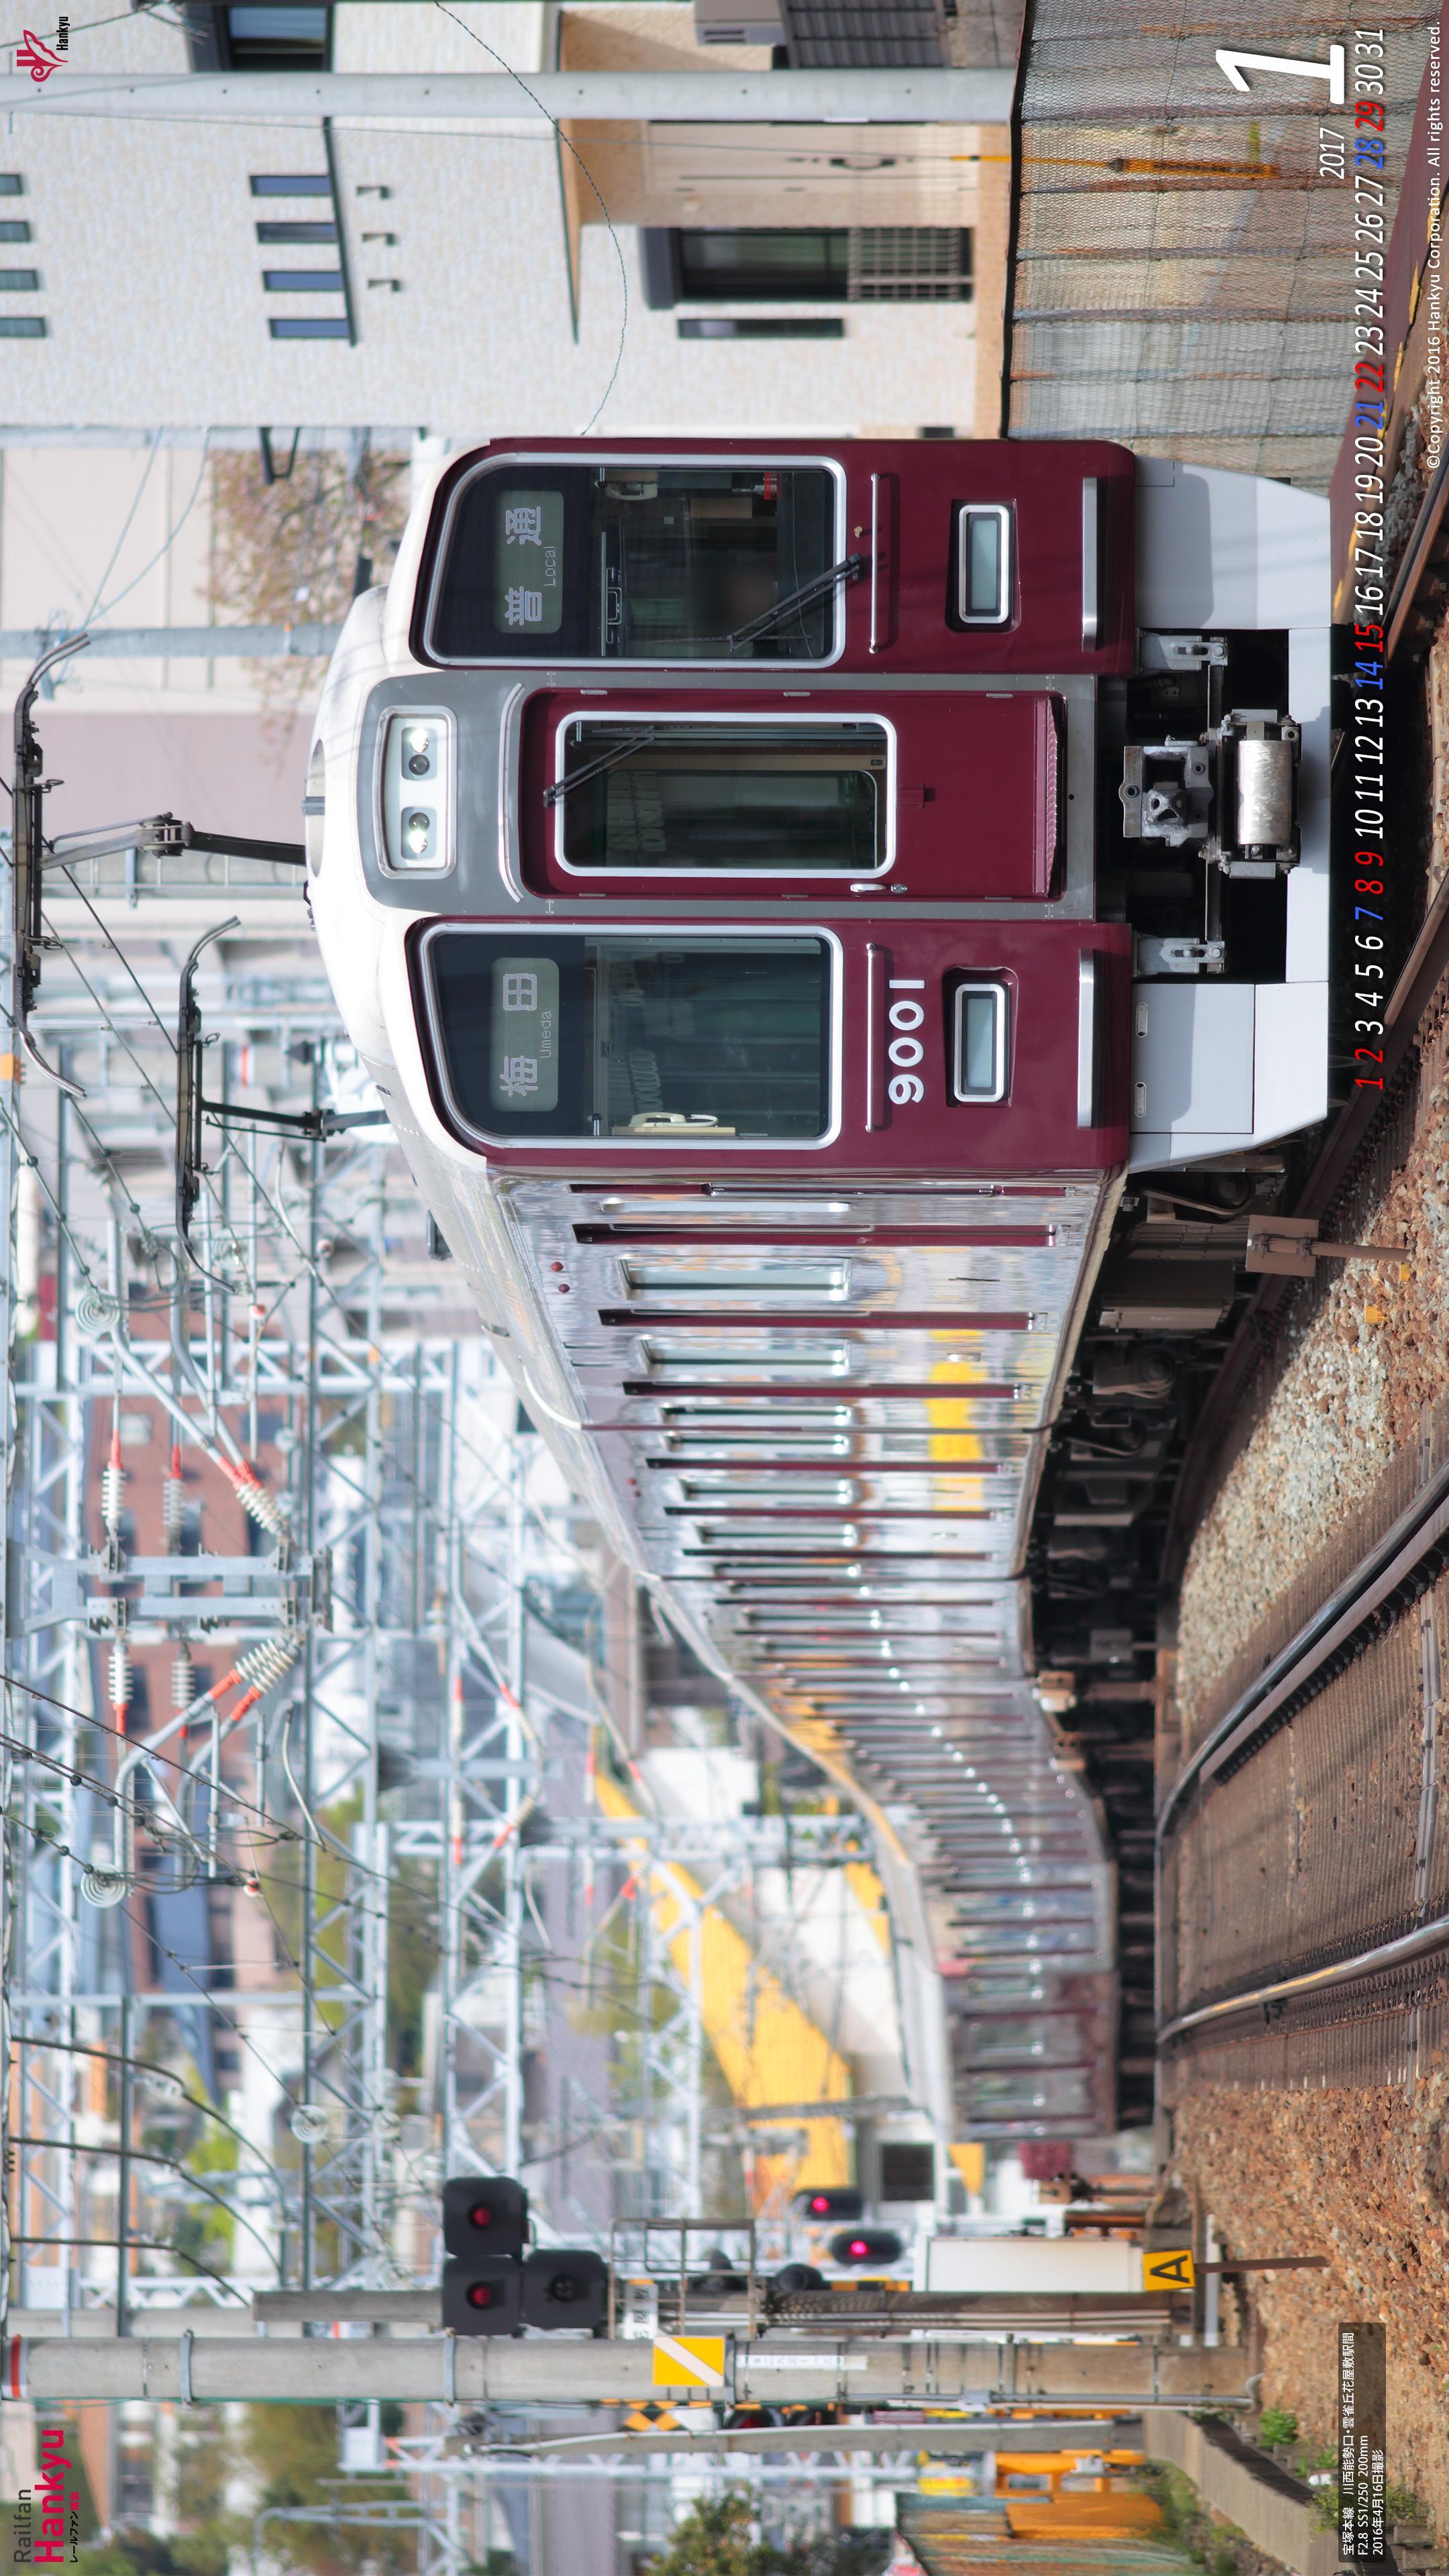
1303,1867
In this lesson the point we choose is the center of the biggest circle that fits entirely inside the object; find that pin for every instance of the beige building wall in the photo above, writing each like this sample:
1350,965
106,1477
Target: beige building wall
151,273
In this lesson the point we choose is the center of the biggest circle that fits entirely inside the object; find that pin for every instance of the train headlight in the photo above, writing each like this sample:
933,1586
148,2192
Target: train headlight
418,764
314,807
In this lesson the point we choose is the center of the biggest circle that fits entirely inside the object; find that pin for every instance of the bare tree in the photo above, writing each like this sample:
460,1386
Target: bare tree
296,549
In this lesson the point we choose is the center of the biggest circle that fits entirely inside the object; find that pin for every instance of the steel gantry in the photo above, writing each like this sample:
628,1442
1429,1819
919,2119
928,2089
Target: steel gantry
280,1455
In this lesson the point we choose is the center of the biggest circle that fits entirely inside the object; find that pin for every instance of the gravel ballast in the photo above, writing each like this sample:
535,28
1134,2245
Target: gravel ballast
1358,1409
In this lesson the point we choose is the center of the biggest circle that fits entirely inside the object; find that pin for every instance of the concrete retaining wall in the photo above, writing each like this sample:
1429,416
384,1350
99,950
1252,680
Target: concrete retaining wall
1253,2492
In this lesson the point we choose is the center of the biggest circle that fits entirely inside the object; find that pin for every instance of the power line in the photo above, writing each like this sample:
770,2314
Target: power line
567,144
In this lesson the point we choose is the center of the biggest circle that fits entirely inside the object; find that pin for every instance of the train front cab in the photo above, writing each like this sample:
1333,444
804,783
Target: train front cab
1008,685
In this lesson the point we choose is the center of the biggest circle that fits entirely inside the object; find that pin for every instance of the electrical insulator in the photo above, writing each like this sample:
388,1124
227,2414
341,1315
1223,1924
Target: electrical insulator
262,1667
183,1685
253,1496
120,1681
173,1503
113,1487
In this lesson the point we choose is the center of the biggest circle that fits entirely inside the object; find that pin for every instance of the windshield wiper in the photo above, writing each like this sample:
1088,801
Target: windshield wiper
849,569
596,767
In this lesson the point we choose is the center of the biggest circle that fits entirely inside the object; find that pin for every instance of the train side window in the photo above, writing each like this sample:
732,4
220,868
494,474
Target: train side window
1061,2092
984,568
765,1355
709,1278
765,1444
632,561
784,797
657,1039
831,1493
1038,2039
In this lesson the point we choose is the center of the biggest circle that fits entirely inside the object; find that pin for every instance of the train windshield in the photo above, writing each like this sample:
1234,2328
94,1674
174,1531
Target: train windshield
728,795
655,1039
636,562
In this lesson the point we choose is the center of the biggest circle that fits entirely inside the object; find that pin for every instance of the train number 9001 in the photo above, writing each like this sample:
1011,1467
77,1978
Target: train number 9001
903,1048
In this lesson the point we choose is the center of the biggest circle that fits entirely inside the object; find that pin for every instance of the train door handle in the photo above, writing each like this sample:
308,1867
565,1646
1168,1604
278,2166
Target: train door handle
1091,563
877,968
883,491
1089,1036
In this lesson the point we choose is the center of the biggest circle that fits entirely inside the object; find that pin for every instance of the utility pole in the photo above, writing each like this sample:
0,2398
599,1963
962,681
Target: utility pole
179,643
928,96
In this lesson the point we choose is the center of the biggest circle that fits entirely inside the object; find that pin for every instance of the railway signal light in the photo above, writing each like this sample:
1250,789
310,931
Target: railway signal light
492,2285
866,2245
484,2214
565,2285
483,2294
838,2202
485,2230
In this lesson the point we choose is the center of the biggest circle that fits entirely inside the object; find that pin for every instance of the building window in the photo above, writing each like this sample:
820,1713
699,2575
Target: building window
14,232
11,184
910,264
326,229
760,326
840,264
19,281
21,326
763,267
302,281
288,36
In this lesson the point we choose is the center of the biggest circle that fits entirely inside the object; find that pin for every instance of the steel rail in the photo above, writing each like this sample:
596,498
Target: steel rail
1405,1555
1418,1944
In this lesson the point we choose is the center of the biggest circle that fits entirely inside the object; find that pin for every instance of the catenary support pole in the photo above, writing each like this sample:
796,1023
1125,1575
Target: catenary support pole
961,2440
547,2372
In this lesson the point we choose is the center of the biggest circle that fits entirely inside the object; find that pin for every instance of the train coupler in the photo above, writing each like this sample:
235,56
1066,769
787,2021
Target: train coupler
1228,793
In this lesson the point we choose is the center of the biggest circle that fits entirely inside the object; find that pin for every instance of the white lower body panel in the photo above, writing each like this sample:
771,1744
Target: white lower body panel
1221,1067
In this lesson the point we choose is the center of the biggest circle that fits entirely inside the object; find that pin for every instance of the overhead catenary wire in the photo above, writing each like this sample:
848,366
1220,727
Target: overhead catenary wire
125,962
325,1286
276,1828
151,453
566,144
170,538
149,2066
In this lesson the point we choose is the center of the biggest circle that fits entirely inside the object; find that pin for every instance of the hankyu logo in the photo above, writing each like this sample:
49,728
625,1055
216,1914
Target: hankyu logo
35,56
